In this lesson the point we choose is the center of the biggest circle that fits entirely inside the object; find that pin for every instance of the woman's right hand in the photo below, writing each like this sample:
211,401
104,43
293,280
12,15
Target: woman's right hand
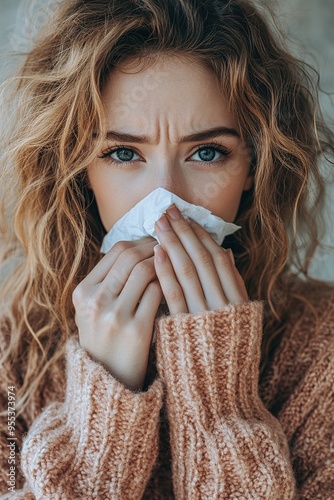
113,328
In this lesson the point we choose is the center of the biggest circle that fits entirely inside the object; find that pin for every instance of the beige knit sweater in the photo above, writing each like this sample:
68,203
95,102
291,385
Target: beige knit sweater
206,427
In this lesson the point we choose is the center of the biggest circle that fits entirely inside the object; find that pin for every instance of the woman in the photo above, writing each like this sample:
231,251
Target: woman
235,398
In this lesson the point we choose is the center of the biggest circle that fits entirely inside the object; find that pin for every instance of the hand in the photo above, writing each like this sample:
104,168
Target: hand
197,274
115,306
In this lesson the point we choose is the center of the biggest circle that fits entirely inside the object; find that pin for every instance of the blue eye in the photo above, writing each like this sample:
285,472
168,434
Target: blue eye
207,152
125,155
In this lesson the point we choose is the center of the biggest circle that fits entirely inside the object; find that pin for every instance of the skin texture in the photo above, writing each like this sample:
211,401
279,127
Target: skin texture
118,301
186,101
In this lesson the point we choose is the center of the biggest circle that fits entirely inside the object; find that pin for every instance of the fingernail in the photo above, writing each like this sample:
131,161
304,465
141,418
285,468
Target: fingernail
160,253
163,223
231,256
173,213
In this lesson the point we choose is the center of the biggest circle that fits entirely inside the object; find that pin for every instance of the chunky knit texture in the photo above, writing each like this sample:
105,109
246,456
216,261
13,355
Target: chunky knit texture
206,427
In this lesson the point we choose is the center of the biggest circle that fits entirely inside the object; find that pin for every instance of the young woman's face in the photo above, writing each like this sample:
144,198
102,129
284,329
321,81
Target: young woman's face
170,100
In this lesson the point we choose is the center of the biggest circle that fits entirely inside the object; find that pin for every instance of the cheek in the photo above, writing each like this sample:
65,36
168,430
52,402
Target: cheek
220,195
105,198
111,206
227,206
113,198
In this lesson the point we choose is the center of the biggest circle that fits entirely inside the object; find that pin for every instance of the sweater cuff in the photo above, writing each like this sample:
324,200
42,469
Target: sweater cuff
95,398
90,444
210,360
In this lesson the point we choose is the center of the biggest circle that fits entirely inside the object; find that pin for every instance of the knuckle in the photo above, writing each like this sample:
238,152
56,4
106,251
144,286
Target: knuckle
128,255
100,300
143,267
116,277
115,284
154,287
77,295
173,241
121,246
204,256
201,234
222,258
114,317
174,294
184,226
188,270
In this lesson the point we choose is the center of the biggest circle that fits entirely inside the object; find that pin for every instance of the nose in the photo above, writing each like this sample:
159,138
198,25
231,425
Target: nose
171,178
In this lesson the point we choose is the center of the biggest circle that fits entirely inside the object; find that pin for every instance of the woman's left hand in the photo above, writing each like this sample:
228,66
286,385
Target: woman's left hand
196,274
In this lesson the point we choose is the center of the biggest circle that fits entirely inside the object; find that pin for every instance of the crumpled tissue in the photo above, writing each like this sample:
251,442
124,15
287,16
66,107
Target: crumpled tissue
139,221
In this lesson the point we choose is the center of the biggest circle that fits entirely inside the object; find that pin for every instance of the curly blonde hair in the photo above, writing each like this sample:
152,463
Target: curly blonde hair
51,231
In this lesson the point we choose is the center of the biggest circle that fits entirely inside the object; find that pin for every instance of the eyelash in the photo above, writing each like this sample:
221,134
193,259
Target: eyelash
224,151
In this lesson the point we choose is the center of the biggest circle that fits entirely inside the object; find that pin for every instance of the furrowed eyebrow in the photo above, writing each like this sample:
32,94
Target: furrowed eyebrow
198,136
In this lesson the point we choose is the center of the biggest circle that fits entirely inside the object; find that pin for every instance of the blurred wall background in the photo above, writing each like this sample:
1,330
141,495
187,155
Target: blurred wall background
309,28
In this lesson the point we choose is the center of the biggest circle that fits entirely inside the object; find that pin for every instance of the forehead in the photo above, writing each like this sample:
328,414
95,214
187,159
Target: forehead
167,88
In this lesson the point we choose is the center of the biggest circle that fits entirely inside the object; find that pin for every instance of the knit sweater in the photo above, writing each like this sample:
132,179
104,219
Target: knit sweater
206,427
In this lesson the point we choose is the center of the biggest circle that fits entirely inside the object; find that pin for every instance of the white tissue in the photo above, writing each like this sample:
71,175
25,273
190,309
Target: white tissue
139,221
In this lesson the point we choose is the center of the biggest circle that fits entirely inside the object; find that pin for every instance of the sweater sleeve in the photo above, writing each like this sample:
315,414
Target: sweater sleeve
101,442
298,388
225,444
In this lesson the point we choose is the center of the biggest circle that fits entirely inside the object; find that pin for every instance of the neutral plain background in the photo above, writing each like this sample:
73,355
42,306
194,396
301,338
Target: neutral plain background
309,27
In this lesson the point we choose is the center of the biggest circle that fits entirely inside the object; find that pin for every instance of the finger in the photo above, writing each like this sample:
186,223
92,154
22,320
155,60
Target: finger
202,258
170,286
133,287
102,268
239,278
149,302
184,267
230,278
